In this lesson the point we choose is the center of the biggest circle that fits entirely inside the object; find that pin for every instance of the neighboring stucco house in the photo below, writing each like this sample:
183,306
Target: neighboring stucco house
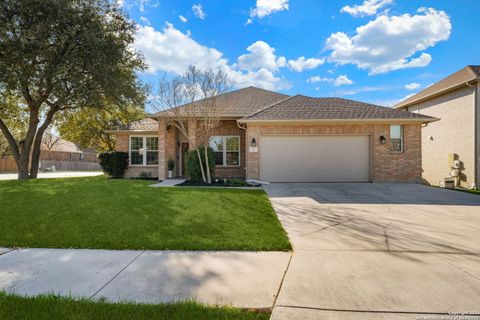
273,137
456,136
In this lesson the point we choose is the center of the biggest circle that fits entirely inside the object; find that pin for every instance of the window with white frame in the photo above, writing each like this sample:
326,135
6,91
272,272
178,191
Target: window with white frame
226,150
396,137
144,151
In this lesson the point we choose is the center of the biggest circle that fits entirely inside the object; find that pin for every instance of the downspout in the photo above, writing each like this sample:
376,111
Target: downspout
246,148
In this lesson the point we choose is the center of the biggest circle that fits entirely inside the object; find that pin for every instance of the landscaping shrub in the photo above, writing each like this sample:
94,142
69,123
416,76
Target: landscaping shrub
114,163
193,166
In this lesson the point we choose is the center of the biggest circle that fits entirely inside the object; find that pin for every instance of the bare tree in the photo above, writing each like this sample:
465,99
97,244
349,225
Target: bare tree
191,99
50,140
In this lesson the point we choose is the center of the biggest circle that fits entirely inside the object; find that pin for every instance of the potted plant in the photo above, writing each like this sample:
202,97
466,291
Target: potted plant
170,166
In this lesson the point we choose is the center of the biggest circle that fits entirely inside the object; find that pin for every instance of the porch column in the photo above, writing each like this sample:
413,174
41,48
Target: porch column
162,149
192,134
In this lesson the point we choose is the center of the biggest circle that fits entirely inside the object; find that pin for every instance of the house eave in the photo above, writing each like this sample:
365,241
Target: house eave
339,121
403,105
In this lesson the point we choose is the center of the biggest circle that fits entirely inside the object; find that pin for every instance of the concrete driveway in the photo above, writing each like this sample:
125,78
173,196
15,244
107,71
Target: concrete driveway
378,251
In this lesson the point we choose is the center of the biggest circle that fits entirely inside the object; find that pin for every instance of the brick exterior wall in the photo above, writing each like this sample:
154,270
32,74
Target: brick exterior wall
122,144
384,165
225,128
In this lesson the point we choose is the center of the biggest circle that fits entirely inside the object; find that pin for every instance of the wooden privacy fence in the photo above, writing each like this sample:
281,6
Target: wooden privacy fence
8,165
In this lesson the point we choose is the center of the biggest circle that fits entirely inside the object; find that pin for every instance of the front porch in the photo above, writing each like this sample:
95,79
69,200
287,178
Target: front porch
174,145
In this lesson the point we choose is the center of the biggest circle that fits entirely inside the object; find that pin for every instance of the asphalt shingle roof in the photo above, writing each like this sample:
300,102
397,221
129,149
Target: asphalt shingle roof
467,74
307,108
146,124
239,103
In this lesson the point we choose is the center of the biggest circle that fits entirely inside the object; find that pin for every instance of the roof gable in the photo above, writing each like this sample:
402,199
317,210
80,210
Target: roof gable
239,103
465,75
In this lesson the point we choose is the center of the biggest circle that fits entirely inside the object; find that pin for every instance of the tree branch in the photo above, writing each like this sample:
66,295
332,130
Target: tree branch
11,140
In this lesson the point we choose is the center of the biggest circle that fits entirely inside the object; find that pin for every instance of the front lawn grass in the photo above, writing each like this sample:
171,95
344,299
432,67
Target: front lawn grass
53,308
104,213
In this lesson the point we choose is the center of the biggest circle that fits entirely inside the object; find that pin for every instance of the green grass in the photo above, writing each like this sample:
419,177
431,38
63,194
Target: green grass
106,213
53,307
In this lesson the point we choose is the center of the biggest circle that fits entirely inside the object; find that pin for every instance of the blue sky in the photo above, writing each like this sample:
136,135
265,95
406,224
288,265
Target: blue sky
377,51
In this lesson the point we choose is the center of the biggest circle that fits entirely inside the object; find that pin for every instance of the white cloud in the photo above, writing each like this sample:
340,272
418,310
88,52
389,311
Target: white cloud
142,5
338,81
391,42
305,64
182,18
145,20
412,86
261,55
171,50
267,7
367,8
342,80
198,11
360,90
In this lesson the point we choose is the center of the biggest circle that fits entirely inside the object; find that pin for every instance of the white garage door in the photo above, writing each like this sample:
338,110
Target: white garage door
314,158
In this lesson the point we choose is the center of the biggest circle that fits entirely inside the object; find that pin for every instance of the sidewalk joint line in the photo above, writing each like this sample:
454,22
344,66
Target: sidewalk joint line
364,311
8,251
117,274
281,282
386,238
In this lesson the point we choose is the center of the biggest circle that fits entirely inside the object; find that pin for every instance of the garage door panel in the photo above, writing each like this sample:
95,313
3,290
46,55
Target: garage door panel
314,158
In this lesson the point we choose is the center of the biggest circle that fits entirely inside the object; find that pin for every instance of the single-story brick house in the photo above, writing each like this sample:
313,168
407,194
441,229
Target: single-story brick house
273,137
455,100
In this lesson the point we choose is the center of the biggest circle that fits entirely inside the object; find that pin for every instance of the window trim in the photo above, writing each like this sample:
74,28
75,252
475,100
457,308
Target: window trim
224,151
402,147
144,156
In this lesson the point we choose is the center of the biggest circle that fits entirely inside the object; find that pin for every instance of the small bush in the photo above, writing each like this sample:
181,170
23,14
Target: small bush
170,165
114,163
193,166
145,175
237,183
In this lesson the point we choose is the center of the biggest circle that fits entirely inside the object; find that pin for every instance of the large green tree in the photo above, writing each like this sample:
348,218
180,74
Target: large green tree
60,55
88,127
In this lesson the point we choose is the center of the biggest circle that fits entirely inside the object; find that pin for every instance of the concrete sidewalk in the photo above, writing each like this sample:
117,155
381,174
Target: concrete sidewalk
240,279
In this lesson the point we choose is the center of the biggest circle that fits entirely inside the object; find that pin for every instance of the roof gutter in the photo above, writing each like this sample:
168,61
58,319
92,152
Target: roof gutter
337,121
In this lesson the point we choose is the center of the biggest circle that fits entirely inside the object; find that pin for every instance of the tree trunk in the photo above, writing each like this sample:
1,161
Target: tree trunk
22,167
35,158
207,166
37,143
201,165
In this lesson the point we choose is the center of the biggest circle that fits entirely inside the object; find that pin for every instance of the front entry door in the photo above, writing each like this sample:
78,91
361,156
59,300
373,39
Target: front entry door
184,151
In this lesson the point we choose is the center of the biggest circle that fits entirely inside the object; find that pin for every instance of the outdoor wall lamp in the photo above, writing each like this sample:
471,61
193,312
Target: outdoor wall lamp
383,139
254,142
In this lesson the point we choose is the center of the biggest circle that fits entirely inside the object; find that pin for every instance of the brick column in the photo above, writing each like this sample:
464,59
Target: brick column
162,149
192,134
253,161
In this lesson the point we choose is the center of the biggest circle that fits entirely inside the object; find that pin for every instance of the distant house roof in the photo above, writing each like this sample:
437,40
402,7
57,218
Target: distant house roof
300,108
453,81
61,145
238,103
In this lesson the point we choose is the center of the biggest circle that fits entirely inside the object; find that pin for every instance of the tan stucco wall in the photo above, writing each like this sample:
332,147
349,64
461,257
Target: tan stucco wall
384,165
454,133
